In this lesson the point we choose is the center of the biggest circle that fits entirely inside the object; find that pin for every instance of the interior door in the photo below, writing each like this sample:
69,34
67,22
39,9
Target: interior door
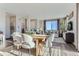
12,24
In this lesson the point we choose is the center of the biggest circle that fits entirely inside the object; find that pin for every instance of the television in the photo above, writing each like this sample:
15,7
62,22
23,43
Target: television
70,26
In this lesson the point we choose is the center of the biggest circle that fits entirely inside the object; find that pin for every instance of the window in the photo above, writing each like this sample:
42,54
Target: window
48,25
51,25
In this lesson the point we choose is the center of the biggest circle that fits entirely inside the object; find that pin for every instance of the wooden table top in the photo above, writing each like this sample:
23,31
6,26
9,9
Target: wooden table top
39,36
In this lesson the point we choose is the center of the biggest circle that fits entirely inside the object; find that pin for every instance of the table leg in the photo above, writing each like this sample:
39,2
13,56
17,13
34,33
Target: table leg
37,49
41,52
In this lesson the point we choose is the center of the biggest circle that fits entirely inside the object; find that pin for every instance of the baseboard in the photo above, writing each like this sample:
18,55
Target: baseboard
9,38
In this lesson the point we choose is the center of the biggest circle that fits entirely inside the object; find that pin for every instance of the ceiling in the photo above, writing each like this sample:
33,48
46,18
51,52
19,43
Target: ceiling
37,10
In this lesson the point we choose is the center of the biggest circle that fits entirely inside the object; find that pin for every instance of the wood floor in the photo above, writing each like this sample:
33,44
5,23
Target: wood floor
59,48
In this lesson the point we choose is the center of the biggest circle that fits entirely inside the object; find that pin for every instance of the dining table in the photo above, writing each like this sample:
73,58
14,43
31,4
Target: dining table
39,39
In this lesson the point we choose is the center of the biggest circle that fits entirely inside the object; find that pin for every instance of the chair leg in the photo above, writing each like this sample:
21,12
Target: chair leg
21,51
50,51
29,52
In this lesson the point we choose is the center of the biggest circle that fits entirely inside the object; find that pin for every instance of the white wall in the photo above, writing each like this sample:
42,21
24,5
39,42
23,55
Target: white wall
28,24
19,22
74,20
78,24
3,22
7,26
75,26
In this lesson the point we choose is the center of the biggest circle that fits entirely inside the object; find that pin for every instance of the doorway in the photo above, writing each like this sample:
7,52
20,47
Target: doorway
12,24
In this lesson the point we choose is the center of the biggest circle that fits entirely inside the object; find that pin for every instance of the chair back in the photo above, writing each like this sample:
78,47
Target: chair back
17,37
28,39
50,40
17,34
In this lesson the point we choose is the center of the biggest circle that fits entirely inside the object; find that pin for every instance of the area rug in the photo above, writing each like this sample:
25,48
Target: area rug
6,54
19,53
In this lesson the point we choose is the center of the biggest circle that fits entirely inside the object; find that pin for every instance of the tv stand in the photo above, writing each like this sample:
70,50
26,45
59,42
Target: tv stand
68,37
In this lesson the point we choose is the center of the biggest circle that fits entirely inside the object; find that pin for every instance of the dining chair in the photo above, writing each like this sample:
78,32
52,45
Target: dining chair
28,42
17,40
48,43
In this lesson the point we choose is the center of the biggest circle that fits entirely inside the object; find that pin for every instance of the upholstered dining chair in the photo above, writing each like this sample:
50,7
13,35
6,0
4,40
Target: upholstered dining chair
28,42
17,39
49,43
